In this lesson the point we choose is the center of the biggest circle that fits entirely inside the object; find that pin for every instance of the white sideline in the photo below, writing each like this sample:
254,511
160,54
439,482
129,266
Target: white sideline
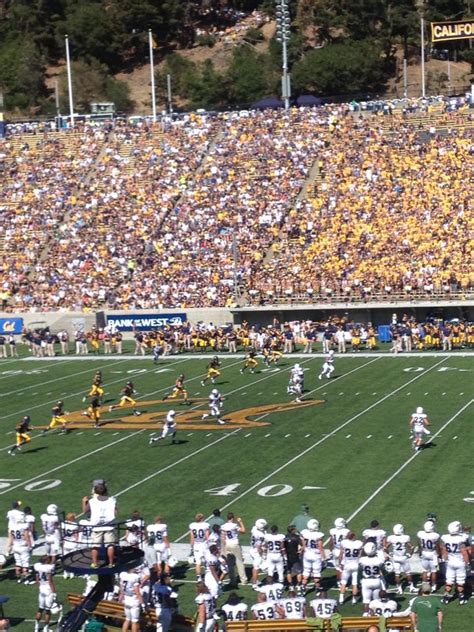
407,462
322,440
108,445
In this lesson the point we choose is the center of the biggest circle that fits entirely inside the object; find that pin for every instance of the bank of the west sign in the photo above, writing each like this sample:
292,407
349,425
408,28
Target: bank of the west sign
446,31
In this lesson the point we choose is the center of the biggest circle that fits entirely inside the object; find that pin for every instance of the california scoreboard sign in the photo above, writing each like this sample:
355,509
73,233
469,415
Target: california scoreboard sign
447,31
145,322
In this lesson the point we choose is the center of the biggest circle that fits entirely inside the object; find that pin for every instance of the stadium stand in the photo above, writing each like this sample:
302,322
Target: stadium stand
256,207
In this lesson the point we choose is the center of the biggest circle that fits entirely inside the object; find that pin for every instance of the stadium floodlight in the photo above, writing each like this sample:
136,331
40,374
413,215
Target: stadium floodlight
283,33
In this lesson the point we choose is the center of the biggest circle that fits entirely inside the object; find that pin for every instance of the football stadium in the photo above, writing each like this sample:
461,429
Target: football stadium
237,343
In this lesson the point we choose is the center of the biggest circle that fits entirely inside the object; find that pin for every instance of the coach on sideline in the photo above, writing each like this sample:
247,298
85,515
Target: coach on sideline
426,613
103,511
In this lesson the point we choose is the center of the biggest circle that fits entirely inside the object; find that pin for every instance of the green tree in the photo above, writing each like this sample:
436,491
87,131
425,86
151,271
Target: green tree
22,72
250,76
348,68
207,88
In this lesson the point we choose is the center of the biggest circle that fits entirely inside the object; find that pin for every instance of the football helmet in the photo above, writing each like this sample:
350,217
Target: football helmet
339,523
261,523
313,525
27,418
215,391
171,412
52,510
331,352
172,561
398,529
370,548
429,526
388,566
297,366
419,410
454,528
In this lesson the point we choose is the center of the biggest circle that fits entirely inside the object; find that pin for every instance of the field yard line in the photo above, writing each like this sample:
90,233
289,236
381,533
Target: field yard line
56,379
407,462
51,401
323,439
184,458
197,377
8,364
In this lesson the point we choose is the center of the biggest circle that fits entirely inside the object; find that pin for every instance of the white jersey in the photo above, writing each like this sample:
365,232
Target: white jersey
323,608
14,516
294,607
20,535
351,552
454,545
231,531
209,604
44,573
329,358
371,566
235,612
272,592
275,545
428,543
312,541
337,535
265,610
383,607
50,525
70,535
214,400
199,531
400,546
377,534
418,420
170,420
102,512
212,561
158,533
128,585
257,538
85,532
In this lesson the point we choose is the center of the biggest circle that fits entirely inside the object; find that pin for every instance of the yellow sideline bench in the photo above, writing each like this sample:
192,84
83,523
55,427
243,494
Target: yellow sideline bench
347,623
114,610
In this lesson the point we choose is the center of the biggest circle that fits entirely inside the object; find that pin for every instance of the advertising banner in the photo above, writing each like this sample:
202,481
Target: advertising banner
11,326
145,322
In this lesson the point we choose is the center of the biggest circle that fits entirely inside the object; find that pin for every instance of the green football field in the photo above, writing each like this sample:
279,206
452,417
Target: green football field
345,450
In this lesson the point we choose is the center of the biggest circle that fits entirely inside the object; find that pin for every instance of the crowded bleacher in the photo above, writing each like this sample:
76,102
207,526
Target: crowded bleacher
251,207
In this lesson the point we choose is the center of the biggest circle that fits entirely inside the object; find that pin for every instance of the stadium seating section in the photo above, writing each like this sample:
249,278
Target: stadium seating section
259,207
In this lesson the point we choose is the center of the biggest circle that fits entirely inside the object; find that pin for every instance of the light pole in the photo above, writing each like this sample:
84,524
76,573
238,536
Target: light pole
283,32
420,5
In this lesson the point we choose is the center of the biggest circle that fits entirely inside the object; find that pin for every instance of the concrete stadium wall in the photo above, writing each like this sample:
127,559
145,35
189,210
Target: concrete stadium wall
378,314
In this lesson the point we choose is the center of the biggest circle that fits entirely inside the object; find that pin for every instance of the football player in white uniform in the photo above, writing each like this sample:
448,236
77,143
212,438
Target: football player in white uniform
257,548
401,549
234,609
70,538
313,553
430,552
199,535
275,545
272,590
52,532
157,535
328,366
323,607
338,533
264,610
169,428
294,606
418,428
216,401
296,382
383,606
131,598
206,609
20,543
44,571
370,566
214,571
455,554
376,534
351,550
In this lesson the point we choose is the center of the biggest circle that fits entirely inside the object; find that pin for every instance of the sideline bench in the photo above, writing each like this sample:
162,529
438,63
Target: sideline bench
113,610
288,625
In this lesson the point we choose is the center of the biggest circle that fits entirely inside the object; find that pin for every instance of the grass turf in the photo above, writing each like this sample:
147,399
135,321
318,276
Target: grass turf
352,448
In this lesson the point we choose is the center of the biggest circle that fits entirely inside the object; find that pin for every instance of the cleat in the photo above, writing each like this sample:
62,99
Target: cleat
111,408
241,370
219,421
94,565
433,588
354,601
413,589
399,590
446,599
462,600
320,377
202,383
341,599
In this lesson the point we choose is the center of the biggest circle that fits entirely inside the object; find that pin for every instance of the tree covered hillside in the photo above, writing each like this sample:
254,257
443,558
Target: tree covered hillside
336,46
